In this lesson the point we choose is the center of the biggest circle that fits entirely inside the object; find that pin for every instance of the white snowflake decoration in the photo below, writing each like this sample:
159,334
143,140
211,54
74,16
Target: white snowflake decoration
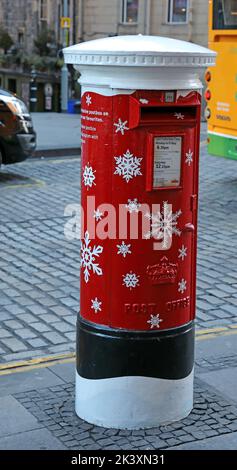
98,215
131,280
144,101
164,224
89,176
183,252
182,286
121,126
179,116
133,206
88,256
124,249
128,166
88,100
96,305
189,157
155,321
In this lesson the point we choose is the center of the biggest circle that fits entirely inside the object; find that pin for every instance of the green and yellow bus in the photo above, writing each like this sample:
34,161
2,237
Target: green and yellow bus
221,92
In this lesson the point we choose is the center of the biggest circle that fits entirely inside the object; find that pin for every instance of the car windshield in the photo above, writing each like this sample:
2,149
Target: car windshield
15,104
5,92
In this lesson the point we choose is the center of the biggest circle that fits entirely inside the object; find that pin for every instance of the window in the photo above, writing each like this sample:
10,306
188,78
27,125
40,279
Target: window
225,14
12,85
66,5
177,11
43,10
20,37
129,11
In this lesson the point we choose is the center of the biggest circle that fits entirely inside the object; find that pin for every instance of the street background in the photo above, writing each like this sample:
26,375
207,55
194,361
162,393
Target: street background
57,131
39,283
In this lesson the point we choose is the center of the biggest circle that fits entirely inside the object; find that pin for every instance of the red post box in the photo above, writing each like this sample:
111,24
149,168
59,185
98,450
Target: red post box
140,149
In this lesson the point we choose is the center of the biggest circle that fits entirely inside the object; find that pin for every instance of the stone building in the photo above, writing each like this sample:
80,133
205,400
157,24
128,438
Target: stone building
90,19
19,18
181,19
24,19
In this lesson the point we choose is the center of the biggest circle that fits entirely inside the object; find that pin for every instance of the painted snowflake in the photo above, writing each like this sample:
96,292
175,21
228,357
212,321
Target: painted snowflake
121,126
182,286
183,252
179,116
133,206
124,249
88,100
155,321
88,257
144,101
131,280
128,166
96,305
189,157
164,224
89,176
98,215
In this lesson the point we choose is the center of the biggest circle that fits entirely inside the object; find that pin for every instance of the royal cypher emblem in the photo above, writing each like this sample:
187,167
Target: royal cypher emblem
162,273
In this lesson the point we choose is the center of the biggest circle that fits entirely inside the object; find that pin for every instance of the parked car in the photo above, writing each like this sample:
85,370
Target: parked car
17,135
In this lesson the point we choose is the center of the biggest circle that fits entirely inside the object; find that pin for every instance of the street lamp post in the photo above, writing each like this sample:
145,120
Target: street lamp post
33,91
64,70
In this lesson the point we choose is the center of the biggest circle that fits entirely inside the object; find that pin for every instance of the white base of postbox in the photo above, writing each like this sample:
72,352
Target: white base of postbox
133,402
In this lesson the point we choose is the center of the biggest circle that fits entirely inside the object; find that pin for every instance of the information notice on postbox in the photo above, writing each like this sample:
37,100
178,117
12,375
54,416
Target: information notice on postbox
167,159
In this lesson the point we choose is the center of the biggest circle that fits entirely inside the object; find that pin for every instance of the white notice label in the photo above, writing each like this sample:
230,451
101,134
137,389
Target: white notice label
167,159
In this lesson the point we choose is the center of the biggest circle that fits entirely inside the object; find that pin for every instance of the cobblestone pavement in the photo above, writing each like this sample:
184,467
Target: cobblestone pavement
39,268
53,407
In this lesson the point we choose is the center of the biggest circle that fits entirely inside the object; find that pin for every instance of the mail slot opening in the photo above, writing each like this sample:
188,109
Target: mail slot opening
174,113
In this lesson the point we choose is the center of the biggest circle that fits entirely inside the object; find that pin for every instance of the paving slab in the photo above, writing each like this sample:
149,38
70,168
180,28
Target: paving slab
15,418
223,380
66,372
30,380
218,346
226,442
40,439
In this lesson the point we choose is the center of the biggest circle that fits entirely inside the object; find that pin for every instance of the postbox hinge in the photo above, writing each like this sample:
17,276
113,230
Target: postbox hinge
194,202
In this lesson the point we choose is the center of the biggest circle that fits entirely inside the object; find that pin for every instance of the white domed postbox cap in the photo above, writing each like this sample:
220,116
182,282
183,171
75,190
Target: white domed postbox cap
140,55
139,51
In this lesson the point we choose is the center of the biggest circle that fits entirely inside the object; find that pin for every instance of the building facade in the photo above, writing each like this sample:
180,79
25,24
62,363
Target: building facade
24,19
180,19
90,19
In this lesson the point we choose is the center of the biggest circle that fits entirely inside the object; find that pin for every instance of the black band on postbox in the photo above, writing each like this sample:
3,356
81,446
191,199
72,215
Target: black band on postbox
104,352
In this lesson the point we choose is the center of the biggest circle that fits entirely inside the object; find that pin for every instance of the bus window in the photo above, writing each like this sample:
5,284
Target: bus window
225,14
